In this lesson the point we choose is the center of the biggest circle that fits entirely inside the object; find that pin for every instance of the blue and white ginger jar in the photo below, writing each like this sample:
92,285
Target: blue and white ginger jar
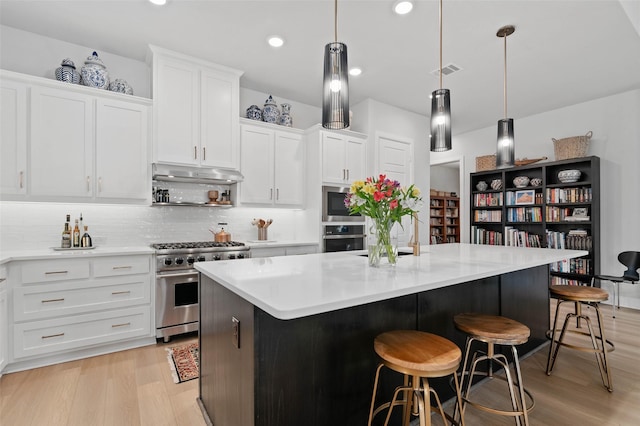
94,73
270,112
254,113
285,118
121,86
67,72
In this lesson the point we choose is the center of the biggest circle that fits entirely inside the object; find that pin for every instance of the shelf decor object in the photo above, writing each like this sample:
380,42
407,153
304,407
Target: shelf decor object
573,147
440,110
335,90
67,72
94,73
270,112
384,201
505,152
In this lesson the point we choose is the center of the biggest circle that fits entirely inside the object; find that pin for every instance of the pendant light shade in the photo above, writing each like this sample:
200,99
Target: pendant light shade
440,110
335,96
505,152
335,89
505,149
440,120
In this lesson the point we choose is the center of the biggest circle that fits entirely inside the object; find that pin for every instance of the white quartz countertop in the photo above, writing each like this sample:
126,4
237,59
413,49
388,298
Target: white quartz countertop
291,287
278,243
49,253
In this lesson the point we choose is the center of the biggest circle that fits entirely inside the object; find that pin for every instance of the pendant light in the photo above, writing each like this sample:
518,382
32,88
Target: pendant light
335,91
505,150
440,111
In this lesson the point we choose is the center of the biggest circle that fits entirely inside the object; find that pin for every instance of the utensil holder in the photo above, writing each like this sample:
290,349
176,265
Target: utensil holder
262,234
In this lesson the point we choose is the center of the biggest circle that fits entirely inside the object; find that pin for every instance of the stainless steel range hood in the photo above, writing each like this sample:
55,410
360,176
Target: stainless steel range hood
192,174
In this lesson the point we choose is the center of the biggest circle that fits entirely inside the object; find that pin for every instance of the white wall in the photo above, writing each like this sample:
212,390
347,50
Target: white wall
615,122
445,178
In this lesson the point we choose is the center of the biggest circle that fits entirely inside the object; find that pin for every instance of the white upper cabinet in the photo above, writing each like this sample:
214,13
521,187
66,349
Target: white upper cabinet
272,162
122,163
343,158
196,111
61,149
13,137
83,144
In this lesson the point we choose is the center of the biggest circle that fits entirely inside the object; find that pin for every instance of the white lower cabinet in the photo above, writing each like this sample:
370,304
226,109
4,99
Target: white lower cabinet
4,327
283,250
63,305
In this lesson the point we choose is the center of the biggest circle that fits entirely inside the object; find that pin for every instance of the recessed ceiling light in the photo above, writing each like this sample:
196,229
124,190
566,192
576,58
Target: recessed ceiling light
402,7
355,71
159,2
275,41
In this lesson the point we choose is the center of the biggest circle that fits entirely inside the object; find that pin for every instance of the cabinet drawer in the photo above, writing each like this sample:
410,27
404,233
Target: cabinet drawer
54,270
120,265
57,299
49,336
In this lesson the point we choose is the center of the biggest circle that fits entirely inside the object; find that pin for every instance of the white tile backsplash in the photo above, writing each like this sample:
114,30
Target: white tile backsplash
33,225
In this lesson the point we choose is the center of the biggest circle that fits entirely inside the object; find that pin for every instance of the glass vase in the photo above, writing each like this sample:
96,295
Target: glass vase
382,244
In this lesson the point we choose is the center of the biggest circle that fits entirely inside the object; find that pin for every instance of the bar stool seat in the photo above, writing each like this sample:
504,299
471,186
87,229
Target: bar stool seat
418,356
494,330
600,346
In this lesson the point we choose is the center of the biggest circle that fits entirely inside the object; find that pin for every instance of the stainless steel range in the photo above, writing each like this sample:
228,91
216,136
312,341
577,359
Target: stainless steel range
177,306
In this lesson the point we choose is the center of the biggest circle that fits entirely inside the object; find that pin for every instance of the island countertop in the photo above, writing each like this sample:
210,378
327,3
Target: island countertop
290,287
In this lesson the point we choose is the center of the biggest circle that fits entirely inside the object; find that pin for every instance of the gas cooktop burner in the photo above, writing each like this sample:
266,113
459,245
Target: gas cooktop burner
195,245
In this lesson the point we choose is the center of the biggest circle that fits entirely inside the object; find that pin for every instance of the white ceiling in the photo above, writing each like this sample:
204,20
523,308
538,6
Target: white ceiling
562,53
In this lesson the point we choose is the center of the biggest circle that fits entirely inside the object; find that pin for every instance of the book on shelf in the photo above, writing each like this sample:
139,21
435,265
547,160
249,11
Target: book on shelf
524,214
485,236
491,199
569,195
579,266
567,281
518,238
487,216
575,241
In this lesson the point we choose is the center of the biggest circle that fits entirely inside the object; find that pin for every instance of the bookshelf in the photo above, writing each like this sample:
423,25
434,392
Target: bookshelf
444,221
544,213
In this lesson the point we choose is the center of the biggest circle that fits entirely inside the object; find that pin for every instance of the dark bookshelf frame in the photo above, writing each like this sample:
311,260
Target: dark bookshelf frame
548,173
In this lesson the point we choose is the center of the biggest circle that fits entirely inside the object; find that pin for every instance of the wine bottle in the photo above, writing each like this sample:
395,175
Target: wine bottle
66,234
76,235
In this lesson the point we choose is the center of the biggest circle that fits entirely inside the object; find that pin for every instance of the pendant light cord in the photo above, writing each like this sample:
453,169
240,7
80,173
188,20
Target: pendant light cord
335,19
505,76
440,44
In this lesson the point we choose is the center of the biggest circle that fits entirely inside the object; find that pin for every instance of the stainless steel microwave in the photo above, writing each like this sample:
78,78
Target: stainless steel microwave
333,208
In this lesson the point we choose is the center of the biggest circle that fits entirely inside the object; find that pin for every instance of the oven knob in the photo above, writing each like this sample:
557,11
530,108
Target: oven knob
190,260
201,259
216,257
232,256
168,262
240,256
179,261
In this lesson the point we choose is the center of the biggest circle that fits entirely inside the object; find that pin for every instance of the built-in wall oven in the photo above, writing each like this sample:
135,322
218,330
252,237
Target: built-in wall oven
177,307
343,237
333,208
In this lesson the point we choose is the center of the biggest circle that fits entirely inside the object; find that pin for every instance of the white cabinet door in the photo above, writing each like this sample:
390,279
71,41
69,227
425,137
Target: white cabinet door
61,149
121,150
176,101
13,137
333,158
355,159
4,325
289,160
218,119
256,159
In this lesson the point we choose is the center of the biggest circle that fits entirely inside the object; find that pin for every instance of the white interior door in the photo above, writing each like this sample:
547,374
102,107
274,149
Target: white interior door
395,159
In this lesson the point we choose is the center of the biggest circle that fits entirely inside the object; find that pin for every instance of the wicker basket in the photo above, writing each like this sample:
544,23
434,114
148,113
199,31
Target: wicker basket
485,162
573,147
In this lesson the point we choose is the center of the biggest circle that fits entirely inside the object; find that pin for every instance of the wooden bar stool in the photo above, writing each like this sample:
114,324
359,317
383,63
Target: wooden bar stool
418,356
494,330
600,346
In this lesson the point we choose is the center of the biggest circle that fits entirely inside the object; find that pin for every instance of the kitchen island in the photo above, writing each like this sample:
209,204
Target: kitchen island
289,340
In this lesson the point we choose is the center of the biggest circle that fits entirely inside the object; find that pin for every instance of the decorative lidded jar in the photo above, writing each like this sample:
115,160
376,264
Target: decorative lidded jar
254,113
67,72
94,73
270,112
285,118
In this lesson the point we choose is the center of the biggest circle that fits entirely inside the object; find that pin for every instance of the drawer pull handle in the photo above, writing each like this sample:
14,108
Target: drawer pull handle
53,335
121,325
121,292
122,267
53,300
56,272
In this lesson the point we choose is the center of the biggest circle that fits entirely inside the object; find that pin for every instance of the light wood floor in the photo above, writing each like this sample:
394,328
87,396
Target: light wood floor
135,388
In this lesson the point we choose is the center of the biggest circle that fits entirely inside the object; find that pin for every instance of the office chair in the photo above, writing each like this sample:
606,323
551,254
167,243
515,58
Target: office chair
630,259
